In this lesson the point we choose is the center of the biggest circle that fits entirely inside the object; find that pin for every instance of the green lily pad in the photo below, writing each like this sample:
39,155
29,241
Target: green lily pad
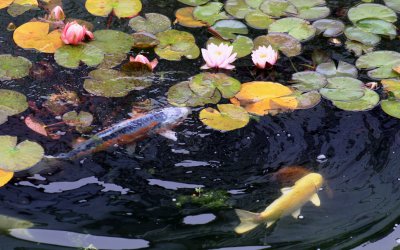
308,80
392,86
296,27
112,60
175,44
329,69
113,83
308,100
182,95
11,103
238,8
343,89
16,9
278,8
367,102
371,11
13,67
283,42
120,8
358,48
229,29
329,27
152,23
204,84
359,35
258,20
393,4
391,107
242,45
377,26
73,119
228,117
144,40
210,13
254,3
194,2
14,158
112,41
71,56
311,9
379,64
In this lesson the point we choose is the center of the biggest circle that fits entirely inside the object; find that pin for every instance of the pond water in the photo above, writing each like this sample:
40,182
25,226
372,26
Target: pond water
135,196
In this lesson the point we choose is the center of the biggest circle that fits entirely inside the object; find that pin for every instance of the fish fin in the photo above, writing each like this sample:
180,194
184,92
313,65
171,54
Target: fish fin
315,200
285,190
296,213
169,134
270,223
248,221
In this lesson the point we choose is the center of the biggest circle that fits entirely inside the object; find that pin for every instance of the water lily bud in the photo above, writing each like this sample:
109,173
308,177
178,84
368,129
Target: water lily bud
74,33
57,14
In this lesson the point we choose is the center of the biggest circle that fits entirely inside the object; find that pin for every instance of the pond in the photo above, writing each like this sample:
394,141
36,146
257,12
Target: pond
182,194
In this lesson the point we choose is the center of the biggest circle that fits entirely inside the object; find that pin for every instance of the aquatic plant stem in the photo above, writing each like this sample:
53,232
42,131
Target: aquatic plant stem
291,63
109,20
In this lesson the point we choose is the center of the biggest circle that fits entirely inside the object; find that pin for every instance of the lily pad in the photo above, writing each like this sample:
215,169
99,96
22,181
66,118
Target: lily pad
14,158
257,91
393,4
19,7
182,95
308,100
73,119
343,89
35,35
229,29
204,84
379,64
13,67
71,56
311,9
121,8
283,42
296,27
359,35
329,69
242,45
11,103
308,80
194,2
258,20
392,86
5,177
237,8
143,40
278,8
358,48
210,13
371,11
112,41
377,26
112,83
184,16
367,102
175,44
228,117
391,107
152,23
329,27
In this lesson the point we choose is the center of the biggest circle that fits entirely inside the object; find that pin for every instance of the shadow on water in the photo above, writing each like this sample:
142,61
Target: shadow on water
134,197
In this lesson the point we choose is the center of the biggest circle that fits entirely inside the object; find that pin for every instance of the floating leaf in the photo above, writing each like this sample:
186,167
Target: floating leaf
242,45
194,2
257,91
358,48
36,125
70,56
393,86
19,7
258,20
343,89
308,80
311,9
11,103
35,35
112,41
229,29
228,86
210,13
121,8
393,4
5,177
343,69
184,16
13,67
237,8
152,23
357,34
228,117
112,83
379,64
19,157
182,95
278,8
391,107
377,26
329,27
296,27
73,119
175,44
143,40
283,42
371,11
308,100
367,102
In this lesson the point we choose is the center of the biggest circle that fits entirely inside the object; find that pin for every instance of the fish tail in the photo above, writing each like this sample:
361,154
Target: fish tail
248,221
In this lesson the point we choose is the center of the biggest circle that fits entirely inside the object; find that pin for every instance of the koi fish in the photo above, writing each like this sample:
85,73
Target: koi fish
290,202
131,130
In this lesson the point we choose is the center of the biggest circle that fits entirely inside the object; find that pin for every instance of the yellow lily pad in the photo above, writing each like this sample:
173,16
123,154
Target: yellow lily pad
5,177
228,117
257,91
121,8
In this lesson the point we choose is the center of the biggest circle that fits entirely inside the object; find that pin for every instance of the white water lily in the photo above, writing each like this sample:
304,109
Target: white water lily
219,57
263,57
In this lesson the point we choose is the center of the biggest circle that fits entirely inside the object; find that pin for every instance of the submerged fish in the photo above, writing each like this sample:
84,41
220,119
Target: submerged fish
290,202
131,130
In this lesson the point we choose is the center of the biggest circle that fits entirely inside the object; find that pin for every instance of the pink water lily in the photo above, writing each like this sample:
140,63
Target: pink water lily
74,33
263,57
219,57
144,60
57,14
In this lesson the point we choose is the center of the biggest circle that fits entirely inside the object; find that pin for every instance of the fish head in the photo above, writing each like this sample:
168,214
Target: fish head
175,115
316,179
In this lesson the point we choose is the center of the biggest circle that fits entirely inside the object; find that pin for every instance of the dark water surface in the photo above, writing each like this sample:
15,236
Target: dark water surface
115,194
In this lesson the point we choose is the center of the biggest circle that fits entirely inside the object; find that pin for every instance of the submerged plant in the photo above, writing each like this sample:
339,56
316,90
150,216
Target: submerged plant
219,57
213,199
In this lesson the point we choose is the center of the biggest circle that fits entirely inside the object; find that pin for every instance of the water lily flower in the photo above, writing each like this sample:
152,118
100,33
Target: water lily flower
143,60
57,14
263,57
219,57
74,33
